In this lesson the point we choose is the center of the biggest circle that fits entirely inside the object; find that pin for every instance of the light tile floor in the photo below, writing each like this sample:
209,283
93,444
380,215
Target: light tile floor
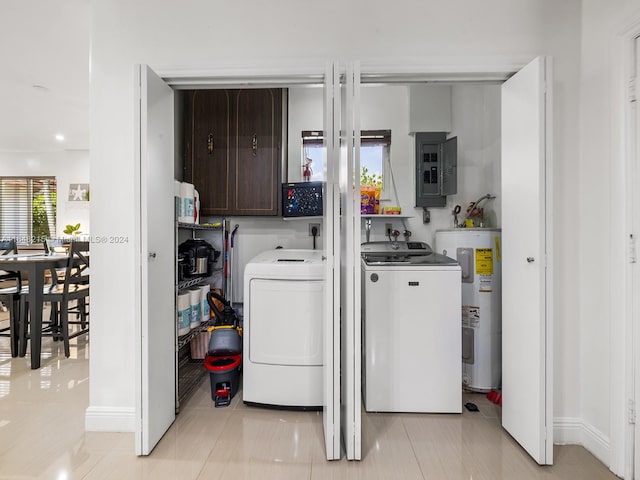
42,436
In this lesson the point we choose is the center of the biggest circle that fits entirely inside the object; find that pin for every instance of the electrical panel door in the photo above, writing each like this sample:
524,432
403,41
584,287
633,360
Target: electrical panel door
436,168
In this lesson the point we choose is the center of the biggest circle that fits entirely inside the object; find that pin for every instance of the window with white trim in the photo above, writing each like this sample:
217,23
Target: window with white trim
375,146
28,209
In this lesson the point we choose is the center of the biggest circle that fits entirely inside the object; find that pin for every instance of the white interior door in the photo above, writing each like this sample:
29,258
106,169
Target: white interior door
526,261
350,265
634,287
155,399
331,364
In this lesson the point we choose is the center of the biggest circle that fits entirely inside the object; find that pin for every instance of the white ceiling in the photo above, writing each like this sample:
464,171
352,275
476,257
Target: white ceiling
44,85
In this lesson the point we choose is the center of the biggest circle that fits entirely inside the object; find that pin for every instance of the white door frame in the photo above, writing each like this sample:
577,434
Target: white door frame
623,222
259,74
496,70
634,275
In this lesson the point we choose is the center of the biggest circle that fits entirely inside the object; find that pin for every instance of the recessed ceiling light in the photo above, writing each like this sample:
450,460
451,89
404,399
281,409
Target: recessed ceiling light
59,137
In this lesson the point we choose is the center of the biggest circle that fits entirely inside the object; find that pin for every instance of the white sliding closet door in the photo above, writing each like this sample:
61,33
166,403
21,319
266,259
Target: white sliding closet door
350,261
331,365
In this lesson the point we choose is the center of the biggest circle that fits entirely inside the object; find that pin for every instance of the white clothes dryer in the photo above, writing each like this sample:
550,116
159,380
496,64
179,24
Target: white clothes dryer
282,329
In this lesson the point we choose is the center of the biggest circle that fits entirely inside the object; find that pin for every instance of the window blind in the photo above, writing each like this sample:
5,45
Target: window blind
28,208
367,137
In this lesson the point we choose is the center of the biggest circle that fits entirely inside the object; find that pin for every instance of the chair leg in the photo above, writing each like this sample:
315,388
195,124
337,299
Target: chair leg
14,320
54,318
23,326
64,326
82,308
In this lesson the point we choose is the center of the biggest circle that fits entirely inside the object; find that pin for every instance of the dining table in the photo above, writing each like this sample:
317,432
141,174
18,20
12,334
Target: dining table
34,265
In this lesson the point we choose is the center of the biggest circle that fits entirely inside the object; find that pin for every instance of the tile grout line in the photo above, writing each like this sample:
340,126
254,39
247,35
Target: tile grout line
413,450
204,464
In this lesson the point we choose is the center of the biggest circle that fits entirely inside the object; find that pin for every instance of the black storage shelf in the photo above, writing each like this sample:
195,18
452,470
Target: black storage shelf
191,282
197,226
186,338
190,372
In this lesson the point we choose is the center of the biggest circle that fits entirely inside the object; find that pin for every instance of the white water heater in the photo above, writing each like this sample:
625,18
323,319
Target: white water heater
477,250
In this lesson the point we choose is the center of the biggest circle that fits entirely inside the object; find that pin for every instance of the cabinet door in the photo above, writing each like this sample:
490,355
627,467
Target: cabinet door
257,152
208,147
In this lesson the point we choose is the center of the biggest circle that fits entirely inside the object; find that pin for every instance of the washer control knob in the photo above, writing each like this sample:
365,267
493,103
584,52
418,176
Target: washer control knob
374,277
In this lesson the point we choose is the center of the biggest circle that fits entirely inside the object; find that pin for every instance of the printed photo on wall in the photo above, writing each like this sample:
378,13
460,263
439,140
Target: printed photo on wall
79,192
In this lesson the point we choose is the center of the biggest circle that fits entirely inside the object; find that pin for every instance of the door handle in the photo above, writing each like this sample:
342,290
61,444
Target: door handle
210,144
531,259
152,254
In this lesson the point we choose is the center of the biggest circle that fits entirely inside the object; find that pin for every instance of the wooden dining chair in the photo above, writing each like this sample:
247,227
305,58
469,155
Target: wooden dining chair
8,247
73,288
10,288
54,246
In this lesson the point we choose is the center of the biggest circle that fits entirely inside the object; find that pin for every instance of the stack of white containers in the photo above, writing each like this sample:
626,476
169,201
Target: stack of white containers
194,301
189,204
184,313
204,304
186,197
193,308
200,342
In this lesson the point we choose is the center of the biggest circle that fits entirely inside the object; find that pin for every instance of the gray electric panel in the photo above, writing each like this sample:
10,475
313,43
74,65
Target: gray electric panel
436,168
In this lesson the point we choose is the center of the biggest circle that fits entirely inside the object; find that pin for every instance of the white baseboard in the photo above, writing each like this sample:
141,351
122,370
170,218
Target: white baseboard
109,419
573,431
567,431
597,443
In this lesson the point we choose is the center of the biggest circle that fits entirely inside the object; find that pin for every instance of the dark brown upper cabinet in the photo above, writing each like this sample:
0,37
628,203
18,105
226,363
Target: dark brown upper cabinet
233,150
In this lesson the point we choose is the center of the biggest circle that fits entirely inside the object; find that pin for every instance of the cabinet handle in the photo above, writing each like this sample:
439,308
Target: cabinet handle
210,144
254,144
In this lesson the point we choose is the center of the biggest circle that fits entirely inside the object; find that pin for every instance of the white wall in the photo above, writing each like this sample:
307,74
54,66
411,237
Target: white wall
473,116
603,219
195,35
305,112
68,167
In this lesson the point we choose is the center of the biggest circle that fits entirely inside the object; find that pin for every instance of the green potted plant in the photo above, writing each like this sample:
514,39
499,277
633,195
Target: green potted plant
72,229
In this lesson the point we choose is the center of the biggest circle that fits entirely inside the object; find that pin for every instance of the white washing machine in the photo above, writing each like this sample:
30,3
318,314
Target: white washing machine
411,300
282,328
